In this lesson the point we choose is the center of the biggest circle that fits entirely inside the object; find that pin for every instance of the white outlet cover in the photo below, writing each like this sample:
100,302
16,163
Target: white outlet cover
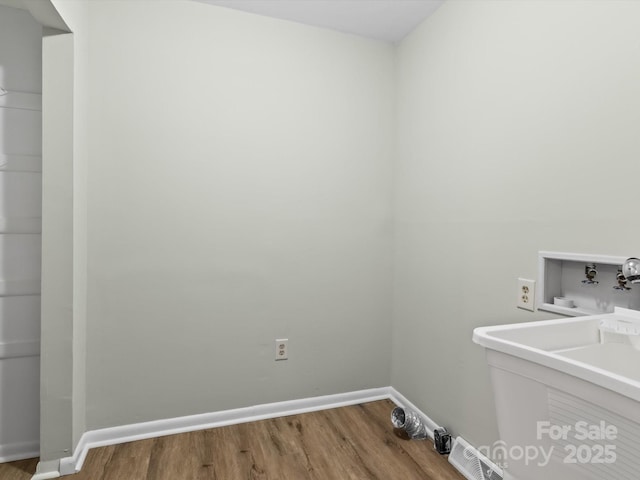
282,349
526,294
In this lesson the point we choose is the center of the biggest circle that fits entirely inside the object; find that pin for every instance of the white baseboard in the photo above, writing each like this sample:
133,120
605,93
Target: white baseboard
171,426
47,470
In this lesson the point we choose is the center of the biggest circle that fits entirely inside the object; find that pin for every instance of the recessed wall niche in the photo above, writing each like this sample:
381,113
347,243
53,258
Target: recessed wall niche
575,284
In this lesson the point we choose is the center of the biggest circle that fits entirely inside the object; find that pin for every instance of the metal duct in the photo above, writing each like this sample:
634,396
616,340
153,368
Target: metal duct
410,422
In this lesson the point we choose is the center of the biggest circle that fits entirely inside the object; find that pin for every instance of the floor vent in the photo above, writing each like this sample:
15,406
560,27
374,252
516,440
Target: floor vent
471,463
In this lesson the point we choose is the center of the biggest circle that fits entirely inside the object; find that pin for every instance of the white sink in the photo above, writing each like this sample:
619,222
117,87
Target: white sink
567,373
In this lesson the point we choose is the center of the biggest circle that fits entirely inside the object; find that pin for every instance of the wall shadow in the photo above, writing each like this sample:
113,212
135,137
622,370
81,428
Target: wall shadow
20,237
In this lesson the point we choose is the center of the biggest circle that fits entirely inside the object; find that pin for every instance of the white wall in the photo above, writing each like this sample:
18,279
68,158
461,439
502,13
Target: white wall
20,51
64,227
75,14
239,192
518,132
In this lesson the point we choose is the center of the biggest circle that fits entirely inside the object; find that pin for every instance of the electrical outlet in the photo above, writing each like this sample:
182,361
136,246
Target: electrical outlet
526,294
282,349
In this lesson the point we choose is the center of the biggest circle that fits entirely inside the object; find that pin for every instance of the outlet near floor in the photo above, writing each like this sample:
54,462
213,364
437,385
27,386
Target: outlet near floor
526,294
282,349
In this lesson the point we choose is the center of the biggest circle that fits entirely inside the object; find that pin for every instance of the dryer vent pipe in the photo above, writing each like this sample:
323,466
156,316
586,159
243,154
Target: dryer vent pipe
410,422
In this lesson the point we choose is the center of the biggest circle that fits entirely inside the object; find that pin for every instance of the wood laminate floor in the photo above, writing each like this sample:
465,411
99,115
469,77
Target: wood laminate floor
354,442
